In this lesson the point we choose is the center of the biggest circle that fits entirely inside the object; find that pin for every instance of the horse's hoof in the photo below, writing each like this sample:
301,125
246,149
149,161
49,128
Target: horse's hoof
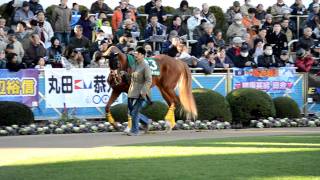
168,127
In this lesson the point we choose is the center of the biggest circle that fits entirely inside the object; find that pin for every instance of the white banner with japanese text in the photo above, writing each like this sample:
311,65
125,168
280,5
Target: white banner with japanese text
77,88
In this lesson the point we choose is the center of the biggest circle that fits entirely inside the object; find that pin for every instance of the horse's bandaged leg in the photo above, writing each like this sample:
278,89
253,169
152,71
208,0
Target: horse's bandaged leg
170,116
128,128
110,118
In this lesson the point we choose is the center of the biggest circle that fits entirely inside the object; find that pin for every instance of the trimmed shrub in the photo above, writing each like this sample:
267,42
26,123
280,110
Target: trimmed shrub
247,104
156,111
120,112
286,107
221,21
211,106
15,113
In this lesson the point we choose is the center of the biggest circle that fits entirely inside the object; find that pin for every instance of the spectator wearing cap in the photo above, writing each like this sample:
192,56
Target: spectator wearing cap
103,47
194,21
234,51
218,39
223,61
46,31
199,30
232,11
61,17
268,24
119,15
34,52
86,24
249,19
205,38
15,45
24,13
245,7
244,59
184,10
127,28
304,61
278,8
310,7
285,29
128,18
178,26
277,39
100,6
306,41
209,16
236,29
159,11
298,8
283,60
35,7
260,12
170,47
100,36
3,26
267,59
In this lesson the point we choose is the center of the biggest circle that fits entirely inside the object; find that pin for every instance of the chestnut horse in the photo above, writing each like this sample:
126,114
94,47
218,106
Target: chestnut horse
173,73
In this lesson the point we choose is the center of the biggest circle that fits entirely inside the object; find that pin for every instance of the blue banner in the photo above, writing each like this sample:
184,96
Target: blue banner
272,80
21,86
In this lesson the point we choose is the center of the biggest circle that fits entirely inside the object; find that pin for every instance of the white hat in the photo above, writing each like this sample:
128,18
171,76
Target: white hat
237,40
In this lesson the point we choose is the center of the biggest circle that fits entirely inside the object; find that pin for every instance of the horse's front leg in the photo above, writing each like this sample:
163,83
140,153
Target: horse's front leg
114,95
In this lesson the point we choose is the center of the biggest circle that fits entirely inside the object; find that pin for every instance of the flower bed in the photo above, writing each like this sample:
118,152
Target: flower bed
84,126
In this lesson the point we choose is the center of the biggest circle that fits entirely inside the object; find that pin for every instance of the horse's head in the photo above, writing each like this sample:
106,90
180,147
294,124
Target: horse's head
113,61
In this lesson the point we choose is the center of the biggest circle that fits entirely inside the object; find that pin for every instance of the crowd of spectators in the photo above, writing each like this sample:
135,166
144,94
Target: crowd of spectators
78,39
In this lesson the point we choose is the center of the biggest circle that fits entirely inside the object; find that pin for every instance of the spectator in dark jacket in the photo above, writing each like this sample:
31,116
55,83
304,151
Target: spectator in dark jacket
81,44
61,17
154,28
159,11
222,61
149,6
35,7
298,8
35,51
86,24
283,60
100,6
13,64
306,41
244,60
310,7
54,53
3,60
235,50
207,62
170,46
178,26
277,39
24,13
304,61
261,13
218,39
267,59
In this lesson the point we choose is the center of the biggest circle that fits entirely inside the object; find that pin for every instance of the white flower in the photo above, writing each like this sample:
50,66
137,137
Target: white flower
63,127
209,123
312,124
88,124
52,126
283,121
3,132
69,125
270,118
45,128
220,126
23,131
253,121
40,130
277,124
101,126
107,124
28,129
227,123
76,129
191,123
8,128
294,124
198,122
59,131
33,126
260,125
265,121
15,126
180,122
185,126
111,128
82,126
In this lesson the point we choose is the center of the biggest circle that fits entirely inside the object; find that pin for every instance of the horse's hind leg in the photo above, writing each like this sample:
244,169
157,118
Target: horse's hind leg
170,97
114,96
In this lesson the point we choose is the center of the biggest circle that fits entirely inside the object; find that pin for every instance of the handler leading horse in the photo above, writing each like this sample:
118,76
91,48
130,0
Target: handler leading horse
173,73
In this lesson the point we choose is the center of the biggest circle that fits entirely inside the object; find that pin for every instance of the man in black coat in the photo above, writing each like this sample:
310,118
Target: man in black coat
277,39
267,59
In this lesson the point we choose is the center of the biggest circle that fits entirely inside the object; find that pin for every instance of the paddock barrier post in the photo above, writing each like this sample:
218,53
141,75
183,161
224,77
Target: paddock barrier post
229,80
305,89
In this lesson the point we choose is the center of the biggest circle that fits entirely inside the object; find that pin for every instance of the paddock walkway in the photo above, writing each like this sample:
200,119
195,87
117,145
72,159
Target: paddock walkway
115,139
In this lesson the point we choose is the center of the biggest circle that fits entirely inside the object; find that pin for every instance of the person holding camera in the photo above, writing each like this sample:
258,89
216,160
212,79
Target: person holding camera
72,58
244,60
81,43
207,62
34,51
54,53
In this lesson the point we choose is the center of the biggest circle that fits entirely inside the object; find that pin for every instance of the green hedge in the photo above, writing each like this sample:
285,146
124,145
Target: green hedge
211,106
156,111
286,107
15,113
247,104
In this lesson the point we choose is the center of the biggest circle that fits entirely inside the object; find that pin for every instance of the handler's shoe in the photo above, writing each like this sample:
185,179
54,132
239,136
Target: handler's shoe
168,127
146,127
133,134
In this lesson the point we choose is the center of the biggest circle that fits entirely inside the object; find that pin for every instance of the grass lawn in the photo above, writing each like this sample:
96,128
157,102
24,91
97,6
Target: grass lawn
273,157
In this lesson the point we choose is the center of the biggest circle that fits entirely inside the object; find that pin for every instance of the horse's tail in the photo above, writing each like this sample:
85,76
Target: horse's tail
185,93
